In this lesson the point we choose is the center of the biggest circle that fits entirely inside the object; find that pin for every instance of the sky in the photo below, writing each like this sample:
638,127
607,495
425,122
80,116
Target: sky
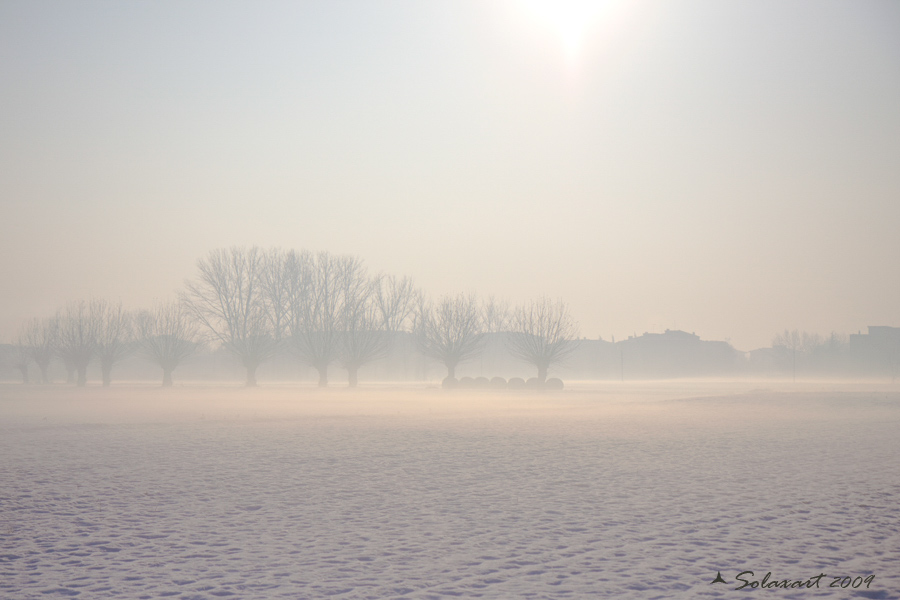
726,168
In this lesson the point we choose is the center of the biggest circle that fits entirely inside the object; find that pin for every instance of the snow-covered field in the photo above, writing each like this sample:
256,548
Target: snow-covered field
605,491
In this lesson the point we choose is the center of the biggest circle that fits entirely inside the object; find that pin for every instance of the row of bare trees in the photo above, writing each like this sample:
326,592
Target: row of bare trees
325,309
84,331
793,342
541,332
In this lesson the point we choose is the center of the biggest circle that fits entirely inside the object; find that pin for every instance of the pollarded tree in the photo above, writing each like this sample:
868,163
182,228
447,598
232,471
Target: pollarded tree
77,337
396,299
495,315
40,337
276,282
115,335
227,299
363,335
543,333
306,290
313,332
363,340
305,294
166,337
450,331
21,357
321,286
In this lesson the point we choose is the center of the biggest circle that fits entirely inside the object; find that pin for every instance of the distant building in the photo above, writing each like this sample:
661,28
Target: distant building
676,354
876,352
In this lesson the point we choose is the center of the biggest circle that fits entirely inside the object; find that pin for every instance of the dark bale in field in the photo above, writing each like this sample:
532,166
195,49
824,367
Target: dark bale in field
554,383
449,383
498,383
467,383
516,383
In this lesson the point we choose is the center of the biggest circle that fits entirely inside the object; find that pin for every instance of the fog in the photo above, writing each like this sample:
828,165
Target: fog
472,298
724,169
148,404
622,491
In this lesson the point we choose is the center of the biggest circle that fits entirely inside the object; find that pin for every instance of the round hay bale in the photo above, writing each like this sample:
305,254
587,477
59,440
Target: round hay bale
516,383
498,383
467,382
449,383
533,383
554,383
482,382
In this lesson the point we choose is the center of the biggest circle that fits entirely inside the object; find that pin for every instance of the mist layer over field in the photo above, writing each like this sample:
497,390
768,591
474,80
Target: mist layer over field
614,490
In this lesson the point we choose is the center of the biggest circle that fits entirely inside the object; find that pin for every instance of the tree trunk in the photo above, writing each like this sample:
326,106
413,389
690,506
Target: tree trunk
167,378
542,373
82,376
24,371
251,376
451,370
323,375
107,374
353,373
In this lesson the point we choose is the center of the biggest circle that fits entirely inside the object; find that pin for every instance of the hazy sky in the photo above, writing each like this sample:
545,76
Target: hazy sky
728,168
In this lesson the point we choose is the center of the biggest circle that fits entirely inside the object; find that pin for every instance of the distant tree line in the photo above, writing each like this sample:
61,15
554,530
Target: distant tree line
810,354
97,330
321,308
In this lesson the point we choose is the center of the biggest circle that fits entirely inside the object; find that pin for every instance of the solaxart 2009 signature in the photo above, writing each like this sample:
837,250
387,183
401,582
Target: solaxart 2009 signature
841,581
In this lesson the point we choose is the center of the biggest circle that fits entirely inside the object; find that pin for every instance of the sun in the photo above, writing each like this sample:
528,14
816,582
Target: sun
570,20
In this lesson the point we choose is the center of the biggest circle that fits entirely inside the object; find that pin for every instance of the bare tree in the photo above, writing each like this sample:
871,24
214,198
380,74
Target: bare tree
495,315
275,279
317,304
543,334
21,357
77,335
363,340
115,335
794,342
166,337
297,274
228,301
811,342
40,337
450,331
396,300
790,341
363,334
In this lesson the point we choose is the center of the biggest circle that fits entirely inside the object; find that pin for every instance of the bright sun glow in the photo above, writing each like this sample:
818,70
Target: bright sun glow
569,19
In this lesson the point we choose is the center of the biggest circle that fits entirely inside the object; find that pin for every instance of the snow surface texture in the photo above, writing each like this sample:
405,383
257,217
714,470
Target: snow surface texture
623,492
